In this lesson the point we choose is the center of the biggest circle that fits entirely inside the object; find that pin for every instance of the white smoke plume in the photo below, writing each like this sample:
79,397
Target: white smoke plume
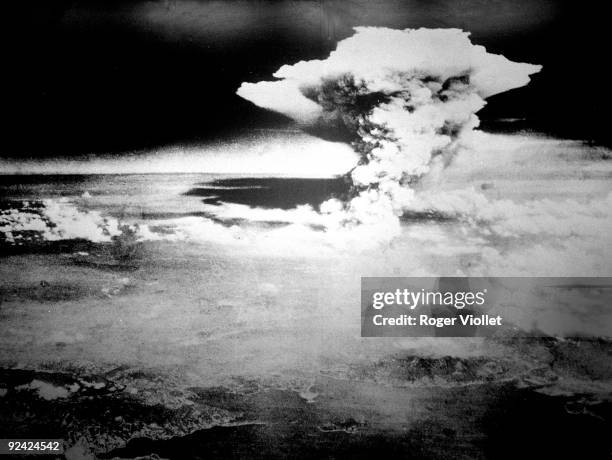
55,220
406,97
61,219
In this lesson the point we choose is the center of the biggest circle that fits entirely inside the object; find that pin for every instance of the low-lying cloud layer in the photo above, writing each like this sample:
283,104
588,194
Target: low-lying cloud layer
281,152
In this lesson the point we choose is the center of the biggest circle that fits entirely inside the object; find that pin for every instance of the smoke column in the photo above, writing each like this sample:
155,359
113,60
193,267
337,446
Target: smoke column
405,97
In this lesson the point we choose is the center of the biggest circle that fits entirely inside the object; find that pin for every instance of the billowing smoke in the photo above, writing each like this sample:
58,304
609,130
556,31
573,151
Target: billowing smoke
405,97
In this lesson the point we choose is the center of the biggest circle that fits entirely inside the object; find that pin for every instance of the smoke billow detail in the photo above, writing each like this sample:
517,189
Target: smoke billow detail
405,97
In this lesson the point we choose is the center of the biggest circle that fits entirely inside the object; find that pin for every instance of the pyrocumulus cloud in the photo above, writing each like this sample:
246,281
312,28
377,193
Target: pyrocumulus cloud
406,97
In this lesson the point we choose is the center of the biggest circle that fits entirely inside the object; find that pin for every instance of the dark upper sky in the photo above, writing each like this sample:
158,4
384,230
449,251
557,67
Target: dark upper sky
99,76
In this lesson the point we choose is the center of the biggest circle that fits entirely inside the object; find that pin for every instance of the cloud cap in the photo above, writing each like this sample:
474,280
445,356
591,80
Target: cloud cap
376,56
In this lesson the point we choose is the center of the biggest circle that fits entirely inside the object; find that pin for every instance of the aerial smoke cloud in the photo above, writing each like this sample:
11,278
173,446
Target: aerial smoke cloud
406,98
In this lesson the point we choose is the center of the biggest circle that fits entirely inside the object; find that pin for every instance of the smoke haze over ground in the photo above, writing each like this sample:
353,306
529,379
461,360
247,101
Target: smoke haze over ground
191,193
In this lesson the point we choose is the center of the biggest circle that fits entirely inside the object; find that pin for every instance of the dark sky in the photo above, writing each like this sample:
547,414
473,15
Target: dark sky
104,76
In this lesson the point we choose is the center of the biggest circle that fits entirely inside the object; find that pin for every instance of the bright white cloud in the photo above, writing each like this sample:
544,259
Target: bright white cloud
407,96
